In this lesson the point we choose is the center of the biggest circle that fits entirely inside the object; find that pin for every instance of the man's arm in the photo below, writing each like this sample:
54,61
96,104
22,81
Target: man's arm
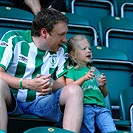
37,84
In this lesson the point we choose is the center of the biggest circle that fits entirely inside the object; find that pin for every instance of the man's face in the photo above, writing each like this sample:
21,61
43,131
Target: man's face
57,37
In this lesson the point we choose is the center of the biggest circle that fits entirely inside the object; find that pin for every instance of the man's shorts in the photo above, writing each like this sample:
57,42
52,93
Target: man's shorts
47,107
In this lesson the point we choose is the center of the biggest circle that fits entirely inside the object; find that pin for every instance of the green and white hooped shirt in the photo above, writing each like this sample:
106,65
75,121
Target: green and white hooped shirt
20,58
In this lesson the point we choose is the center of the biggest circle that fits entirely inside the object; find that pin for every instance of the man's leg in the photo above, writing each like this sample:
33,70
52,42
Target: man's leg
5,100
72,100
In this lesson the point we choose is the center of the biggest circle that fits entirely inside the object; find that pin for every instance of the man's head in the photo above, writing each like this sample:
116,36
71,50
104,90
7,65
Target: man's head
47,18
49,29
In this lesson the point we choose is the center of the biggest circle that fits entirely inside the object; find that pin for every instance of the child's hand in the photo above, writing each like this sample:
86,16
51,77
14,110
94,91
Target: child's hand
102,80
89,75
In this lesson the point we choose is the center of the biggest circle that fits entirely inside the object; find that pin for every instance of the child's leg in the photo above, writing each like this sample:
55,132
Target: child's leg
88,120
104,120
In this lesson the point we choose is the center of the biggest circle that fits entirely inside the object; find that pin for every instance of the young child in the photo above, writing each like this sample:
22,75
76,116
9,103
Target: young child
82,73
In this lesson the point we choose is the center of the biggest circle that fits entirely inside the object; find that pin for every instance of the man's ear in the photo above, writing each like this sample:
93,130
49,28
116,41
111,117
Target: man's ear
72,54
44,32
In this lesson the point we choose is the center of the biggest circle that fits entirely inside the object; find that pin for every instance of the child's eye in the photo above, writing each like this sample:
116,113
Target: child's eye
83,48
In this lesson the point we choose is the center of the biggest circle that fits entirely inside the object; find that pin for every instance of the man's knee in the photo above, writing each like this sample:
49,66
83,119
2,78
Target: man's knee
3,87
73,91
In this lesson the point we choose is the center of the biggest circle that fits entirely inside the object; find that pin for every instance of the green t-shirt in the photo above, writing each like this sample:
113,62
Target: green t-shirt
92,93
20,58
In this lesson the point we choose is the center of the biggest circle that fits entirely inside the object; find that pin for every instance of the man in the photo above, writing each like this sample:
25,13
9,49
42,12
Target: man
32,64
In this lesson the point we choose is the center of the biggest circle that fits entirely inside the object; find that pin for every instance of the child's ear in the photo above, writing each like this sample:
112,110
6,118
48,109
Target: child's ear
72,54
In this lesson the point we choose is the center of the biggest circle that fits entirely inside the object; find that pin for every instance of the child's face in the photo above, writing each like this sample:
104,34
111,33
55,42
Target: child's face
84,53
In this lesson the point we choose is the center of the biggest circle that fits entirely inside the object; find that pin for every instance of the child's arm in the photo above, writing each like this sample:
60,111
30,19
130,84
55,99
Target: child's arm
81,80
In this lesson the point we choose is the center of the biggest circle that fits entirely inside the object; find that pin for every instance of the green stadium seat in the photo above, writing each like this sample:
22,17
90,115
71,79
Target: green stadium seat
13,18
80,25
68,5
1,131
123,8
18,124
118,70
117,33
93,10
131,116
7,3
120,124
88,31
47,130
76,19
15,13
108,102
125,101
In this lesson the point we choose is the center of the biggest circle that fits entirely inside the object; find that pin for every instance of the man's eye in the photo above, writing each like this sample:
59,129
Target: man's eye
60,35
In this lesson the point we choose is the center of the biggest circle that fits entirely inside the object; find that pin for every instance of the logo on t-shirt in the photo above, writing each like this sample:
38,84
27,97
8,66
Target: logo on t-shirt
23,59
53,60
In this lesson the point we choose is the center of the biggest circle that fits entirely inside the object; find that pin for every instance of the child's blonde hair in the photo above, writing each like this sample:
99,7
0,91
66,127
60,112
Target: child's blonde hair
73,44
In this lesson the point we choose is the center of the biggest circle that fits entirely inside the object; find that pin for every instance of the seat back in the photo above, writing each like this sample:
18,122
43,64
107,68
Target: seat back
13,18
123,8
88,31
47,130
1,131
93,10
117,69
115,32
76,19
125,99
78,24
108,102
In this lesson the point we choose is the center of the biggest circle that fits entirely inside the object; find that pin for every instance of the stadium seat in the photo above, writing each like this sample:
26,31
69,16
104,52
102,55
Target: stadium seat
13,18
68,5
93,10
76,19
131,116
125,101
108,102
80,25
7,3
117,69
15,13
47,130
117,33
88,31
120,124
1,131
18,124
123,8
